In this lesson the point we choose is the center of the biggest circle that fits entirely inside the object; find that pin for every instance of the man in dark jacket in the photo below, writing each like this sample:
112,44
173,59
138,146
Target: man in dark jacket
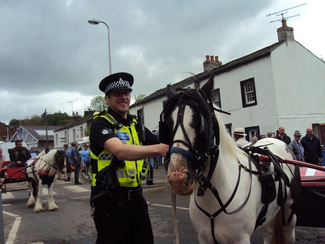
283,136
19,155
313,150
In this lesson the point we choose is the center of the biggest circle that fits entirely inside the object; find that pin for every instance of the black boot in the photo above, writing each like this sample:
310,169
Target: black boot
67,179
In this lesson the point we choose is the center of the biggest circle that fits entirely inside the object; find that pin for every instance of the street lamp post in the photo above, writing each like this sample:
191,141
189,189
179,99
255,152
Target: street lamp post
96,22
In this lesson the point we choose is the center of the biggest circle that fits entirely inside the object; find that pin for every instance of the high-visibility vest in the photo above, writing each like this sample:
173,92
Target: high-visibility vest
133,172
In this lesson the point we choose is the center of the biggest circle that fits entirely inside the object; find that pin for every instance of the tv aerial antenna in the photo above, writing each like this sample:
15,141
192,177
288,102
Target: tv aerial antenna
283,12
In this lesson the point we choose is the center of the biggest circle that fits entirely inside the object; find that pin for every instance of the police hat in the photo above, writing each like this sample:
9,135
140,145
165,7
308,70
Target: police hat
115,82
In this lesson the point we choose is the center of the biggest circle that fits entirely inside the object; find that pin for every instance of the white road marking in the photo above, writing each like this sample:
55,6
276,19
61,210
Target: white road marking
14,229
11,214
8,195
76,198
76,189
167,206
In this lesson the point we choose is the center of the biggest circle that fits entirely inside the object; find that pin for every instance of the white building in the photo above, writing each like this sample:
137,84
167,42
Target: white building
280,85
73,131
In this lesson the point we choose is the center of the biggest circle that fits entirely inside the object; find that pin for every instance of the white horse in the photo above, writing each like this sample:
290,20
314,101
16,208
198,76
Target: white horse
41,171
226,194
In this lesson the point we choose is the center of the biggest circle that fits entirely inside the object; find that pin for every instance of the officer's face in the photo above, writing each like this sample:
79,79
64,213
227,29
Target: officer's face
119,101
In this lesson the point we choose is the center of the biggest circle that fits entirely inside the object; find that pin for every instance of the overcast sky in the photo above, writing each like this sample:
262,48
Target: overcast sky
51,58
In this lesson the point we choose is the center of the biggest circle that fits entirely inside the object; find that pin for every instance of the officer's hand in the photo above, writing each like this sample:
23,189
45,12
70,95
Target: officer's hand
164,148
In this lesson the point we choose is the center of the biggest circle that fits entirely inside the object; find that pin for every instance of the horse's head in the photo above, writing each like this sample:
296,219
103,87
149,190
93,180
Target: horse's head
59,159
186,124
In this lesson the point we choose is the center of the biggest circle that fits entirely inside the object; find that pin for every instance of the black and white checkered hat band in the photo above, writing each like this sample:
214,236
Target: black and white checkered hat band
118,85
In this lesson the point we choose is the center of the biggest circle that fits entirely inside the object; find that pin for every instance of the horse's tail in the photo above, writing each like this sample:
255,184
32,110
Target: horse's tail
279,229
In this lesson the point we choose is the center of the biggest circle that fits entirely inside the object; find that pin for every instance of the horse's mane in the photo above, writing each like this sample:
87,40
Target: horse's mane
47,160
227,143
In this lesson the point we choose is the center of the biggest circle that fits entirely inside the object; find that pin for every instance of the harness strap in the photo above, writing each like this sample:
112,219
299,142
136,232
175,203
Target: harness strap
261,217
224,206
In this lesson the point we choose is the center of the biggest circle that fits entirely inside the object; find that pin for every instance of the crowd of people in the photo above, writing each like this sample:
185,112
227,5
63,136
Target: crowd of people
306,149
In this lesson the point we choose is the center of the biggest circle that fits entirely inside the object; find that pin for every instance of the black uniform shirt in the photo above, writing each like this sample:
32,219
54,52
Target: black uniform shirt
102,130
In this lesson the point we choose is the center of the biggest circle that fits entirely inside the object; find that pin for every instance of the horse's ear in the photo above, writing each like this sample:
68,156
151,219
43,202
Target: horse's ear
208,87
171,92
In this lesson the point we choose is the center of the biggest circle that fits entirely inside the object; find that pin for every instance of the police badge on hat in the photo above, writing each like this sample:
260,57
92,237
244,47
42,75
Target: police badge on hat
115,82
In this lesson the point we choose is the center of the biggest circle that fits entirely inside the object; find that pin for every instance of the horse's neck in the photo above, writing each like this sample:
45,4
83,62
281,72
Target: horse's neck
226,172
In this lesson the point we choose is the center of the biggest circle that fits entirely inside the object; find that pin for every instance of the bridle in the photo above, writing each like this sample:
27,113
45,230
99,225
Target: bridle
193,99
209,130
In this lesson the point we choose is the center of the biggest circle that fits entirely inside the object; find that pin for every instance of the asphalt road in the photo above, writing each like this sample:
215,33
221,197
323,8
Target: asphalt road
72,224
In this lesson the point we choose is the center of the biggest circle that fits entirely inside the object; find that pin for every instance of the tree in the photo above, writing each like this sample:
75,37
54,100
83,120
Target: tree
139,97
58,119
98,104
14,122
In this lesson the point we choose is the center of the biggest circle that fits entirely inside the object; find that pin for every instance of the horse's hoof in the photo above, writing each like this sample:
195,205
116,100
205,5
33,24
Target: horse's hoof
30,205
54,209
38,210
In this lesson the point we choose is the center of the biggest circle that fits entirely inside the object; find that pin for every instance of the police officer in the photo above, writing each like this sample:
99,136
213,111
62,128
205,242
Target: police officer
117,153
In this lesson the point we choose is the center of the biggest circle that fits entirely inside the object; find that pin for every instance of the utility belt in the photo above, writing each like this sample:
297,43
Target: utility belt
121,194
129,193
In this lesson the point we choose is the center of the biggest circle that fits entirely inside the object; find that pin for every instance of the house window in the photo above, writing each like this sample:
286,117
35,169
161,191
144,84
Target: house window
248,92
216,97
228,128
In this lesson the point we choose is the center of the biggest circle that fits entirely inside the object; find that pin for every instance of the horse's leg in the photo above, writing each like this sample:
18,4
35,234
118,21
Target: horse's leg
38,206
32,189
201,240
289,233
50,200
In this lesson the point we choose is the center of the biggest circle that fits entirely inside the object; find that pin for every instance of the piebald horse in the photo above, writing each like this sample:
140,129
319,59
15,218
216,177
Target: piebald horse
41,171
228,200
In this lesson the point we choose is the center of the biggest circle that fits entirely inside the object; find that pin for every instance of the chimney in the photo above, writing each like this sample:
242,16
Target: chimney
211,62
285,33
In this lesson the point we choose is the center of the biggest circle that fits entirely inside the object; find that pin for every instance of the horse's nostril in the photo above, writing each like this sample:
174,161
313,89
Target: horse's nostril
187,178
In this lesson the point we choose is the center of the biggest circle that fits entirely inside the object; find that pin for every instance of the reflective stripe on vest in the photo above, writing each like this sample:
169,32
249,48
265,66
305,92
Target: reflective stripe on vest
132,174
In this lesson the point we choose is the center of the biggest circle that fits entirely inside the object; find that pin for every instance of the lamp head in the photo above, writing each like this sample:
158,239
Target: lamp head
93,22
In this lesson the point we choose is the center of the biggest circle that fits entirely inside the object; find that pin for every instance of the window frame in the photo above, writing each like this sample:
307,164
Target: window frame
245,101
213,92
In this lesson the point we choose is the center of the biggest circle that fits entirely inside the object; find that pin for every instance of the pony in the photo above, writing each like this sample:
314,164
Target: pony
232,192
41,171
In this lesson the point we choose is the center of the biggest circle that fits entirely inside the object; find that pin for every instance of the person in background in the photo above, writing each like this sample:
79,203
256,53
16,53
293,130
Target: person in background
2,159
85,158
117,151
269,134
262,136
76,160
254,139
313,150
239,136
68,161
296,147
151,162
19,155
283,136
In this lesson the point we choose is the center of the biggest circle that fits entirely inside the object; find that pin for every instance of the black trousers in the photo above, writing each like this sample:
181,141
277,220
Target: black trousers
121,221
